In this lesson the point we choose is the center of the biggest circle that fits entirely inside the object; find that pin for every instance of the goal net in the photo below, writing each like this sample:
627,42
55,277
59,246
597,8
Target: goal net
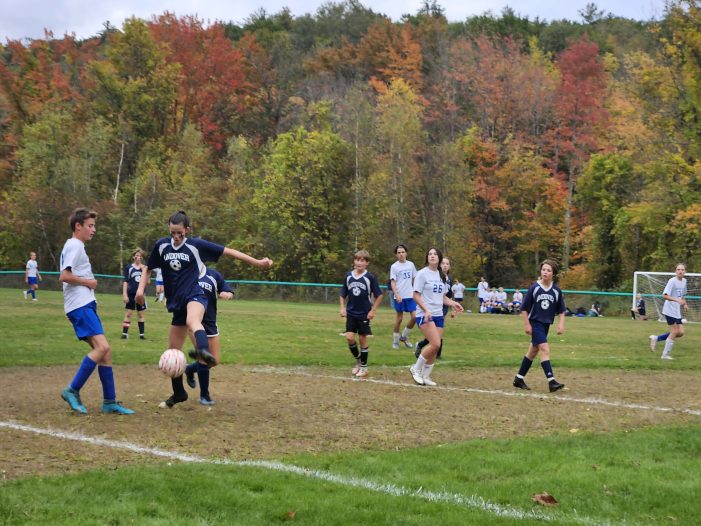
650,286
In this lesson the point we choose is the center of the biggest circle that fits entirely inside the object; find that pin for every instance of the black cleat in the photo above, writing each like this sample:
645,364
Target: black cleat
204,355
518,382
175,399
142,337
554,385
124,336
190,376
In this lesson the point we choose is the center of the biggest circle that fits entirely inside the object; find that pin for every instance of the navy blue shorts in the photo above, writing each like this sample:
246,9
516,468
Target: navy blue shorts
438,320
85,321
358,325
32,280
132,305
180,315
673,321
539,332
210,327
406,305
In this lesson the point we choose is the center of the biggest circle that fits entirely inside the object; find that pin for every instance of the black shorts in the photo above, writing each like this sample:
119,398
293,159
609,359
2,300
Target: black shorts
210,327
358,325
132,305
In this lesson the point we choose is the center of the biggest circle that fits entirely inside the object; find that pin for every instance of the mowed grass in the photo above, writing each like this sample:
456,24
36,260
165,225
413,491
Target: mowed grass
645,476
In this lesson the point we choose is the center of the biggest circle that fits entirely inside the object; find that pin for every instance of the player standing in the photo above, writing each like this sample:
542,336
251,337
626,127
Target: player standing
359,298
541,303
80,306
401,275
133,274
32,277
673,295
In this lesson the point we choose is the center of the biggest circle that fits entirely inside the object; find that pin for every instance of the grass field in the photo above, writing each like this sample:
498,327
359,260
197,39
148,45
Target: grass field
293,439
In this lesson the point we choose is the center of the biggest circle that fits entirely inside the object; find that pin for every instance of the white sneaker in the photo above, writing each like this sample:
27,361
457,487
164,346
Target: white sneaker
356,368
428,381
406,342
395,345
34,299
667,357
417,377
653,342
25,297
362,373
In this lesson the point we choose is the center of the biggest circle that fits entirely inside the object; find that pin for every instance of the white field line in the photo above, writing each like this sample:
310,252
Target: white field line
467,501
300,371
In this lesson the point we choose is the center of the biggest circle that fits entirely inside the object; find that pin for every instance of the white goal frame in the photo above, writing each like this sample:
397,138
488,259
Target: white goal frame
658,301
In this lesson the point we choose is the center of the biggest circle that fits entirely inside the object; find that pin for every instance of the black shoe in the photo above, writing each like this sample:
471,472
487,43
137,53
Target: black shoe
554,385
124,336
190,376
518,382
204,355
142,337
176,399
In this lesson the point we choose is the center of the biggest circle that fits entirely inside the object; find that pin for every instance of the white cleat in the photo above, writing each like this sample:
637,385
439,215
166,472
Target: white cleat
362,373
428,381
416,376
667,357
653,342
356,368
395,345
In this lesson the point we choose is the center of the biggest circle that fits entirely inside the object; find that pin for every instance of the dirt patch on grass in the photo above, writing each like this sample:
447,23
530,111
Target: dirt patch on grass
265,413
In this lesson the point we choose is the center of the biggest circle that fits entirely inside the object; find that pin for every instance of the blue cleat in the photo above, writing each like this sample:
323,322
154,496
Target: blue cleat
206,400
112,406
72,396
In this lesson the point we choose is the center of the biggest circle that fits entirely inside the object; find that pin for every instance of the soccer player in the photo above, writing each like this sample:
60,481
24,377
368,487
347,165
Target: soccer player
458,291
214,287
482,293
359,298
430,294
159,285
182,259
541,303
673,295
133,274
445,268
80,306
401,275
639,308
32,277
515,305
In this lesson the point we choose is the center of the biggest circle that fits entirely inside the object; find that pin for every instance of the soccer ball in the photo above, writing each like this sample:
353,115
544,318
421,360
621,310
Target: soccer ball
683,320
172,363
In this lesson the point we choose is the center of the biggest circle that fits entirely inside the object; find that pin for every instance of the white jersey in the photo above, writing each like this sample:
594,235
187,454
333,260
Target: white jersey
73,256
32,268
403,274
483,290
159,274
458,290
428,283
677,289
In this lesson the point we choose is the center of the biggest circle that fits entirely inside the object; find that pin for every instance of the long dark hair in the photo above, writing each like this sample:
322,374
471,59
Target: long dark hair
440,258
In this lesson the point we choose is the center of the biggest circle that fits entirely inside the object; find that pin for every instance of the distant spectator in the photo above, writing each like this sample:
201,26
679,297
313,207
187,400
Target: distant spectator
515,305
483,293
595,310
639,308
458,291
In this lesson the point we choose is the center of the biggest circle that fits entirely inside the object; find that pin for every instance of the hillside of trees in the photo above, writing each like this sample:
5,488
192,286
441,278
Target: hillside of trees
499,139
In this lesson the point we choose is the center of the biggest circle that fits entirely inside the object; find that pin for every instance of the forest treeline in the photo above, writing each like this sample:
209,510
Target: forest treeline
499,139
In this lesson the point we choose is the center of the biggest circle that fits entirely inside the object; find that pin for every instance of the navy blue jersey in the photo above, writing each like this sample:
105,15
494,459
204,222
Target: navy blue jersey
543,304
182,267
132,277
212,283
359,292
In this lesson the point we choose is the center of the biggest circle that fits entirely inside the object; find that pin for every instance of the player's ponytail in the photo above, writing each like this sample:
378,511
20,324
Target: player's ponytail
179,218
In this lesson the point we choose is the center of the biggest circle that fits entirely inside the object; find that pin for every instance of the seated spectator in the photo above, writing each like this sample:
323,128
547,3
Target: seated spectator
515,304
595,310
499,301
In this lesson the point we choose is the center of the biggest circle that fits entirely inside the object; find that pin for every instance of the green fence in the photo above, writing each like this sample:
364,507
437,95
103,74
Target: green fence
612,303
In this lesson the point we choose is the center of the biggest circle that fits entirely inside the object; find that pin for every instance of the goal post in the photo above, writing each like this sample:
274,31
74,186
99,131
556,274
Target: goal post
650,285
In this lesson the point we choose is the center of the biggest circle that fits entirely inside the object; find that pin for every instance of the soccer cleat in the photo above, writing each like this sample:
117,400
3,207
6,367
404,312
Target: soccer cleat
427,381
356,367
34,299
175,399
520,383
416,376
395,345
653,342
25,294
203,354
666,357
112,406
362,373
206,400
125,336
417,350
142,337
406,342
73,398
554,385
190,376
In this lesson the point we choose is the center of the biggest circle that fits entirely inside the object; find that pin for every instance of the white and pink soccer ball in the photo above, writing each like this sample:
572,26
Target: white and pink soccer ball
172,363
